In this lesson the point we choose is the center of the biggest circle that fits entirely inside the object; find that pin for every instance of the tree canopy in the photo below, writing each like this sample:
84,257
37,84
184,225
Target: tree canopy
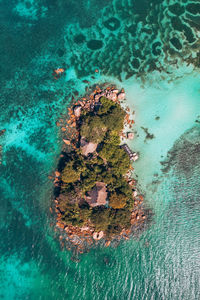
70,173
93,129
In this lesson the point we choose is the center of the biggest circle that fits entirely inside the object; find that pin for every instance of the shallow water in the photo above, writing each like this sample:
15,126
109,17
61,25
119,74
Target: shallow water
134,50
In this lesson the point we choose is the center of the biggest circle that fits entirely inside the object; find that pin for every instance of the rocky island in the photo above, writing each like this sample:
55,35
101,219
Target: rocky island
96,201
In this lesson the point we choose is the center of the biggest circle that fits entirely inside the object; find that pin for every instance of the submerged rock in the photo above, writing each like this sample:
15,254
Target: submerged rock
130,135
95,44
67,142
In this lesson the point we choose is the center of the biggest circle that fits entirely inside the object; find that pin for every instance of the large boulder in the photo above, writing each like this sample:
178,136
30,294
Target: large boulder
77,111
87,147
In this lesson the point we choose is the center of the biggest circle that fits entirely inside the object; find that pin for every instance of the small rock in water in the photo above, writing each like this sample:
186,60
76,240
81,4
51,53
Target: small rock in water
134,193
107,244
57,174
106,260
130,135
134,156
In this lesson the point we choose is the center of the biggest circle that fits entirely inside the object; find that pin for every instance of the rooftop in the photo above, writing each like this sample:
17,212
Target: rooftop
97,196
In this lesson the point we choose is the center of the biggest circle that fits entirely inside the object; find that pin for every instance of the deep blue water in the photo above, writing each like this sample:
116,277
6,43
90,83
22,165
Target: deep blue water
152,49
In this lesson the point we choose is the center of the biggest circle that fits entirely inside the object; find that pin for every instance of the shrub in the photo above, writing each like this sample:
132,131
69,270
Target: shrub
106,105
117,201
70,174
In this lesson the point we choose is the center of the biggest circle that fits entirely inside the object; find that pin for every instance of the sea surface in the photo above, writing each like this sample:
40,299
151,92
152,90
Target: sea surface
152,49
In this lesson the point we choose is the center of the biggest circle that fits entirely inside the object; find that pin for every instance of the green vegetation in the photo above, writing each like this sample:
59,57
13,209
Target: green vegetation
117,201
93,129
70,173
108,164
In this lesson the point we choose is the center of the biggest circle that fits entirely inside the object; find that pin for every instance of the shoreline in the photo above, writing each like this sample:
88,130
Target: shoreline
81,239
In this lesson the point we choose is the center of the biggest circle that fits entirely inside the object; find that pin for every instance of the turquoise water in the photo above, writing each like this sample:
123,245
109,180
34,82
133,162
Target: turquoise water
152,49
